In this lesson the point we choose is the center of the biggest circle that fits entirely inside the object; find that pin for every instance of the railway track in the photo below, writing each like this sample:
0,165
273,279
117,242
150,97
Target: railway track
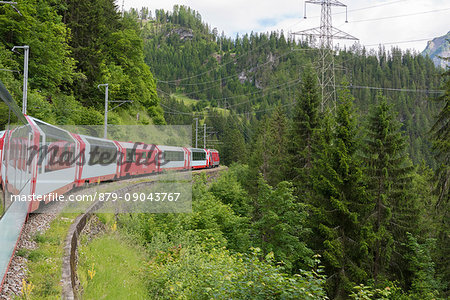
38,223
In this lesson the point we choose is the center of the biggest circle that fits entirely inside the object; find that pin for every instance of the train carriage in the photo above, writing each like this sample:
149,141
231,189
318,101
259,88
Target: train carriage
213,158
137,158
102,158
17,180
173,158
56,168
198,158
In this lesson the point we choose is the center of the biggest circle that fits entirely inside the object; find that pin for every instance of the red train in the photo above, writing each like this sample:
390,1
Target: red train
41,159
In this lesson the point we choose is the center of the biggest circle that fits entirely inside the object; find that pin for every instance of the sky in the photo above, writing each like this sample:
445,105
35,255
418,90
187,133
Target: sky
388,22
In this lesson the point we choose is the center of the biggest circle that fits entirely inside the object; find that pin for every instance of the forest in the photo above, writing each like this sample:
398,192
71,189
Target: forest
341,202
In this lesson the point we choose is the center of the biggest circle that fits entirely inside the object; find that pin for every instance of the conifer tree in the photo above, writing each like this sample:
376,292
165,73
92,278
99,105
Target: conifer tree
441,145
270,155
303,133
389,172
278,220
234,148
339,202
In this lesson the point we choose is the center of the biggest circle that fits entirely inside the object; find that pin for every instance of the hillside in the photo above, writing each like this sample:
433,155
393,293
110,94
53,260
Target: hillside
365,186
349,200
437,49
252,74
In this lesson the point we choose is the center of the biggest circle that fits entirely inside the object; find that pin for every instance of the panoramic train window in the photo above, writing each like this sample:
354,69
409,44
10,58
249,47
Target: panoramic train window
102,152
173,155
17,137
131,156
198,155
58,149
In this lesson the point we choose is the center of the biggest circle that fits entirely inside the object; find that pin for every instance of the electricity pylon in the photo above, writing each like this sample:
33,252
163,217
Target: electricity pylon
326,33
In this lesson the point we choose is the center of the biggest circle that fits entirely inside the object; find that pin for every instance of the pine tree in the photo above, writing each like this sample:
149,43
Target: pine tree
303,133
339,202
389,175
234,148
278,220
441,145
270,155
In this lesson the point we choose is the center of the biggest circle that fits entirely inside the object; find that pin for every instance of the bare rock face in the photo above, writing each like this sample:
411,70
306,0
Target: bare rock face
184,33
438,48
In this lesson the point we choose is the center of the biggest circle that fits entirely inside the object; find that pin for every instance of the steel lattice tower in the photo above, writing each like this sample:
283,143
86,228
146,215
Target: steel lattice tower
326,33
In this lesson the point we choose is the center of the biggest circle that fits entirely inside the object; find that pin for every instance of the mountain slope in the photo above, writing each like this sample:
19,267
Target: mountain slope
437,48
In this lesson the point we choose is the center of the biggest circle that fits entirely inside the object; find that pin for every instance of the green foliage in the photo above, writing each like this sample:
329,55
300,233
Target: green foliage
418,257
228,189
234,148
193,273
270,155
205,254
367,292
211,220
278,221
40,26
441,145
389,172
74,46
304,135
253,73
340,202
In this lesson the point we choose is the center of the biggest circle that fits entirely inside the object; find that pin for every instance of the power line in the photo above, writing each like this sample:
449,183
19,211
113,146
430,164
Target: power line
326,34
401,42
251,51
286,84
392,89
212,69
373,6
230,76
363,8
338,86
400,16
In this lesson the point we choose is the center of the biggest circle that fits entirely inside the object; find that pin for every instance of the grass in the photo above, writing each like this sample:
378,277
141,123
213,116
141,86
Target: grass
186,100
45,262
110,268
191,102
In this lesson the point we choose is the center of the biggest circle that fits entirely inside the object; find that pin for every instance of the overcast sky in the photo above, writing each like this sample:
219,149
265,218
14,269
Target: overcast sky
423,20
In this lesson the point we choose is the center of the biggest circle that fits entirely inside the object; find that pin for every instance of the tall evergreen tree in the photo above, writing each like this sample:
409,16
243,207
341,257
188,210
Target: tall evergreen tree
234,148
339,202
441,144
303,133
278,220
270,154
91,24
389,174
